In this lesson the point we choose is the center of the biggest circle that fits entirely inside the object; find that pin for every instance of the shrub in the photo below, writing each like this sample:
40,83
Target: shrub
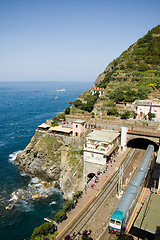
111,103
151,115
78,103
60,216
78,194
68,206
112,111
67,110
125,115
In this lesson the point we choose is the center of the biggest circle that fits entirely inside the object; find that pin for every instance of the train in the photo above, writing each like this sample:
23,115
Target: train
117,221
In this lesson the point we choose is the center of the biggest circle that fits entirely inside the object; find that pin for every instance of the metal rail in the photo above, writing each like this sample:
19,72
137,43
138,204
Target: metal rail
79,224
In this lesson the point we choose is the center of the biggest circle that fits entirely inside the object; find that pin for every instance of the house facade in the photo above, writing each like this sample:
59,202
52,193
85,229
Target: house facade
144,107
79,127
97,89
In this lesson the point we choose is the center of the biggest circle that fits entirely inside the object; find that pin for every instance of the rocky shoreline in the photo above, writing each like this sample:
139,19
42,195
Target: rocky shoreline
48,158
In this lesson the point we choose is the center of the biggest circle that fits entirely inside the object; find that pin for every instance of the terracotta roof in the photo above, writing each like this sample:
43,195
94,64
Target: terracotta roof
97,88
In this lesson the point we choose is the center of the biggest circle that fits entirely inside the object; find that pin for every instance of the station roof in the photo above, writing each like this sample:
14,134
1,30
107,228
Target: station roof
61,129
107,136
149,216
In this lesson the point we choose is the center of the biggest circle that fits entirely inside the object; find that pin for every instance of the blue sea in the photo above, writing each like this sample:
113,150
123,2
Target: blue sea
24,106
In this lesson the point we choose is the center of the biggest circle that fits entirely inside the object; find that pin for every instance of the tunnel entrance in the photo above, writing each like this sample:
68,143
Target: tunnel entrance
90,176
142,143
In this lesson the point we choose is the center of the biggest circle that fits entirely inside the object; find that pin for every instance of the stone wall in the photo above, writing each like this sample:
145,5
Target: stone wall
67,140
116,124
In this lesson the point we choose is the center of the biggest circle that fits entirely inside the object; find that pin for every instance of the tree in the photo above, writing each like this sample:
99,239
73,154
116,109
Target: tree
44,229
117,95
78,103
71,102
151,115
67,110
60,216
130,96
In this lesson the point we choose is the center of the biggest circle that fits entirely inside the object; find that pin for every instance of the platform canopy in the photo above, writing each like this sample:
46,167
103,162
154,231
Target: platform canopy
149,216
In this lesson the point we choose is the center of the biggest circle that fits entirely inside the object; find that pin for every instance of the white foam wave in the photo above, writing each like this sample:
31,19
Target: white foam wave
23,174
24,206
2,143
52,203
13,156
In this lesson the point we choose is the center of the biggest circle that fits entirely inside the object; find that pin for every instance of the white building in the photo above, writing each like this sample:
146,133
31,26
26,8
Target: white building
100,144
144,107
97,89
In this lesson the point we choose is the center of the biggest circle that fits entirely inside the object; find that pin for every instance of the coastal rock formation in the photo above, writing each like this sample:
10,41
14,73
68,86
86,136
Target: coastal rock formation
49,159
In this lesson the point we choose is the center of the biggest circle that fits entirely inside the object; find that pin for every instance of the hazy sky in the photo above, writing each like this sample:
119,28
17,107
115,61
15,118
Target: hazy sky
69,40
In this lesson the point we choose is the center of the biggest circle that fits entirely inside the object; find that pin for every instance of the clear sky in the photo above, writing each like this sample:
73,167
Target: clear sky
58,40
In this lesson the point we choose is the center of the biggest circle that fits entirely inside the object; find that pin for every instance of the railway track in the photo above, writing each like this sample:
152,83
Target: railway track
79,223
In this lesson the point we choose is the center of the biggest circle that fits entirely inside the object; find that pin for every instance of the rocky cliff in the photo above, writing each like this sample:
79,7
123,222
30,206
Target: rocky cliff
49,159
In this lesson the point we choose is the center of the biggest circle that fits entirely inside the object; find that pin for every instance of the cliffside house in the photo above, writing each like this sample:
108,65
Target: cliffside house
97,89
43,127
79,127
144,107
99,146
61,130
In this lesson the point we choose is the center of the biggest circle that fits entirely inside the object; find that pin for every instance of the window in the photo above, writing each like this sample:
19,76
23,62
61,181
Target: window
92,155
118,223
112,221
82,124
76,133
76,126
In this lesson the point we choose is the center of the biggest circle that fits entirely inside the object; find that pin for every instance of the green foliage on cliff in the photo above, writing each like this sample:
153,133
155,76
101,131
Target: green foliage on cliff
51,147
62,214
90,101
138,66
42,231
56,119
112,111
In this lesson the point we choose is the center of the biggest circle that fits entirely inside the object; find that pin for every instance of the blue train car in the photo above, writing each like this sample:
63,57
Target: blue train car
121,214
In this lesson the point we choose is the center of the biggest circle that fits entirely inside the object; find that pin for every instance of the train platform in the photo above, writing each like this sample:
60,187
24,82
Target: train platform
148,219
90,193
141,201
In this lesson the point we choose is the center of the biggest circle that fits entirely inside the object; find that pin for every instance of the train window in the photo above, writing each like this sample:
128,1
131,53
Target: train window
112,221
118,223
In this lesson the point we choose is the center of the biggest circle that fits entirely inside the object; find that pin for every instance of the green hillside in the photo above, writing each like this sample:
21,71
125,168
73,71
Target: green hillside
136,70
134,75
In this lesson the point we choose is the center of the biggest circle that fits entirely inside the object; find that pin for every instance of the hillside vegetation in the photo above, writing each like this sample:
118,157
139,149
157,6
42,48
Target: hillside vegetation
136,72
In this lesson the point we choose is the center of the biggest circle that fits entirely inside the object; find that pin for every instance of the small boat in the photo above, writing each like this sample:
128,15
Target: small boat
61,90
56,98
